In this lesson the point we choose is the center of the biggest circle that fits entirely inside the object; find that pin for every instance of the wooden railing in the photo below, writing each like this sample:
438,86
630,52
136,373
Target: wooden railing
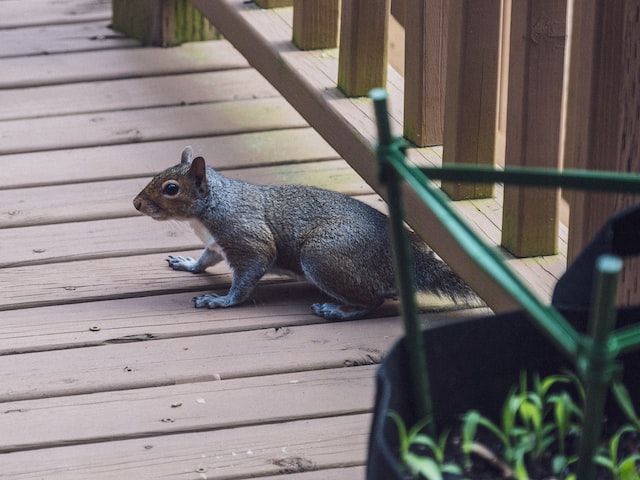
487,80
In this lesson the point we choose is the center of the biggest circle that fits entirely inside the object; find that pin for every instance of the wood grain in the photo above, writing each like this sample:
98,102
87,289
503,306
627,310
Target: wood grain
22,72
135,93
249,355
49,39
159,123
16,13
206,405
109,162
244,452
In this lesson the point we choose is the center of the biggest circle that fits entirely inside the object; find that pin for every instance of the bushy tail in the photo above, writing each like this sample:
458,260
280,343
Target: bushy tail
434,276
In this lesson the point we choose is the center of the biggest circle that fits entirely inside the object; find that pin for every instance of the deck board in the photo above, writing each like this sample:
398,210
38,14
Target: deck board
247,452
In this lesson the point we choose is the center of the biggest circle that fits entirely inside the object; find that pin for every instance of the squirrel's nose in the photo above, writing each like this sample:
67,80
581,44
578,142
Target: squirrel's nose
137,202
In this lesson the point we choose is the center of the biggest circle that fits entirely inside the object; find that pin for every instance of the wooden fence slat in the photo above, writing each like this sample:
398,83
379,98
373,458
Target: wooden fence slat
362,64
425,70
531,216
315,23
471,94
203,358
327,445
603,119
223,404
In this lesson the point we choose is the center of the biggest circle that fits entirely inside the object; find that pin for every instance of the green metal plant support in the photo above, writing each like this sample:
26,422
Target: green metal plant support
593,354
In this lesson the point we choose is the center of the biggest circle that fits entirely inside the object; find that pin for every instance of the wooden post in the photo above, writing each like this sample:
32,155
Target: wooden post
315,23
425,63
273,3
472,88
536,67
363,46
162,23
603,117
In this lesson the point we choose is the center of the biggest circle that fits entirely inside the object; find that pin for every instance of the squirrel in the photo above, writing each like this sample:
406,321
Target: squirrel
338,243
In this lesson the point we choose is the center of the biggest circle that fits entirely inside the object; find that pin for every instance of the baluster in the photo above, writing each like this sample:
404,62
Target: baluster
536,64
425,24
163,23
471,96
362,64
315,23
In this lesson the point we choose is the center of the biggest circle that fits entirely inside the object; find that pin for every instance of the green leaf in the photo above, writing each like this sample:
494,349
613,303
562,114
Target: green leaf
451,468
425,466
627,468
624,401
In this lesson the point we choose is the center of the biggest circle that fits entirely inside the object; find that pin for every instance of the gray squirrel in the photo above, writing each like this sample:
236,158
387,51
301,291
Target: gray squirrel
338,243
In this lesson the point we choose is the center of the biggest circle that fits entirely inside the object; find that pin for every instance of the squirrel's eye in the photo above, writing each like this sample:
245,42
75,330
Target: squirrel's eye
171,189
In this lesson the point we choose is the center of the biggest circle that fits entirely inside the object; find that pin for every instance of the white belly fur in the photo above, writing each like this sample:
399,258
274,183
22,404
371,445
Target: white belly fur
206,236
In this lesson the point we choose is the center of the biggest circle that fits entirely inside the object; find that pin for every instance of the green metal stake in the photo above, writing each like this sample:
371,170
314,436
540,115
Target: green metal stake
387,147
597,365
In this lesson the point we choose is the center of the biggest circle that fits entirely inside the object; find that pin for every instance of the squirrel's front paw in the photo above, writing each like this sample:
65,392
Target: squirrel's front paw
187,264
212,300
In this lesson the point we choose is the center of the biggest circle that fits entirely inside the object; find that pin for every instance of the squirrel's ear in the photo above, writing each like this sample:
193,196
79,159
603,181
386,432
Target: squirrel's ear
198,171
187,154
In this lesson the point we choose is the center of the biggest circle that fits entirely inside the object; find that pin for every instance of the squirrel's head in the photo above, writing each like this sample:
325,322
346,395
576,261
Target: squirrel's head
175,193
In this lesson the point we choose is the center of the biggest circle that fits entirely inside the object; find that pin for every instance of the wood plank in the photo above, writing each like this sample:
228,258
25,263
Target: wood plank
205,405
272,306
146,92
536,70
45,244
347,473
111,162
472,91
425,70
362,61
102,279
50,39
130,126
23,72
77,202
17,13
316,24
321,444
42,244
202,358
164,316
161,23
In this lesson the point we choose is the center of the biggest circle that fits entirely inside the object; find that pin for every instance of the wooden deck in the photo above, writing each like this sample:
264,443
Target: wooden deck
107,370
